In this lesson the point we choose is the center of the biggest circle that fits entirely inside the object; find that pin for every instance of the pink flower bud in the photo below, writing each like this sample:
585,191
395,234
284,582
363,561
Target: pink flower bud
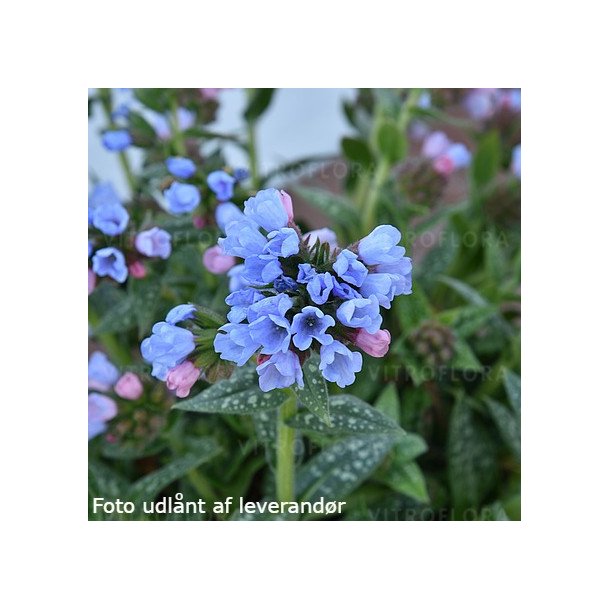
376,345
217,262
137,270
129,387
261,358
198,222
287,203
182,378
91,281
444,165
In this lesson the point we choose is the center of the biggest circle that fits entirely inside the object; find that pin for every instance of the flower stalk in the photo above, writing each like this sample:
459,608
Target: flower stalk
284,473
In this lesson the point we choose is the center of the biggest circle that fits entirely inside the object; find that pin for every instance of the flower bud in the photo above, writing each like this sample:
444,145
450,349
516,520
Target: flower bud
91,281
216,262
137,270
182,378
129,387
374,344
199,222
287,204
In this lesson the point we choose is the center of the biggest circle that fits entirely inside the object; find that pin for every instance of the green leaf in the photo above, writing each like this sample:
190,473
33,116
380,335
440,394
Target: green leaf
412,309
145,294
464,358
471,456
408,479
239,395
388,402
258,103
438,259
357,151
119,318
487,159
348,415
156,99
468,293
338,469
314,395
104,482
467,319
337,208
141,128
150,485
508,425
512,386
391,142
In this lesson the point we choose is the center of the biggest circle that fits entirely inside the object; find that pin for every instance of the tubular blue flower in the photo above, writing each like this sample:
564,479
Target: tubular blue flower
102,193
236,278
361,313
344,291
268,324
226,213
181,167
240,301
240,174
182,198
306,273
180,313
154,242
167,347
349,268
285,284
401,275
243,239
309,324
381,285
262,269
459,155
234,343
110,218
102,373
338,364
101,409
110,262
116,140
221,184
266,209
284,242
319,287
280,371
380,246
276,305
435,145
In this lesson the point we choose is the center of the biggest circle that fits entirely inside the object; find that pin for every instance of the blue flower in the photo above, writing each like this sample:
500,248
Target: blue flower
237,281
339,364
268,324
344,291
234,343
116,140
401,275
241,173
380,246
306,273
180,313
182,198
266,209
226,213
181,167
459,154
515,163
110,218
285,284
283,242
222,184
102,373
277,305
382,285
154,242
361,313
309,324
262,269
167,347
102,193
243,239
349,268
280,371
240,301
110,262
101,409
319,287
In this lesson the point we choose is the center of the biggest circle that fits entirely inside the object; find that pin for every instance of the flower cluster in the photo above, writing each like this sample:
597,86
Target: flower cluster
446,156
294,294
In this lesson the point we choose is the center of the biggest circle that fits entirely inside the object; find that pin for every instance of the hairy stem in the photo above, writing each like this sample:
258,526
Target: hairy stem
284,472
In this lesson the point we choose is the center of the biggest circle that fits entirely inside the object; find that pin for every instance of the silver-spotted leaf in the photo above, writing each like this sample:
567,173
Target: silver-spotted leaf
314,395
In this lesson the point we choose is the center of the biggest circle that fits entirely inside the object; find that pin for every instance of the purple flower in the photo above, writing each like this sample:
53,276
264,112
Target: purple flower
319,287
380,246
110,262
181,167
180,313
116,140
262,269
284,242
349,268
243,239
101,410
102,373
266,209
309,324
221,184
339,364
110,218
280,371
167,347
154,242
361,313
226,213
234,343
182,198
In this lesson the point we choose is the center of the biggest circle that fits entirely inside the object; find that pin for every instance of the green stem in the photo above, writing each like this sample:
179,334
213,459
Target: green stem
204,489
252,154
284,470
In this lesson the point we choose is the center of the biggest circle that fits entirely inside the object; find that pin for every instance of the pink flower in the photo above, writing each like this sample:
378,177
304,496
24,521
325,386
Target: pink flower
198,222
287,203
129,387
182,378
209,94
444,165
137,270
217,262
91,281
376,345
